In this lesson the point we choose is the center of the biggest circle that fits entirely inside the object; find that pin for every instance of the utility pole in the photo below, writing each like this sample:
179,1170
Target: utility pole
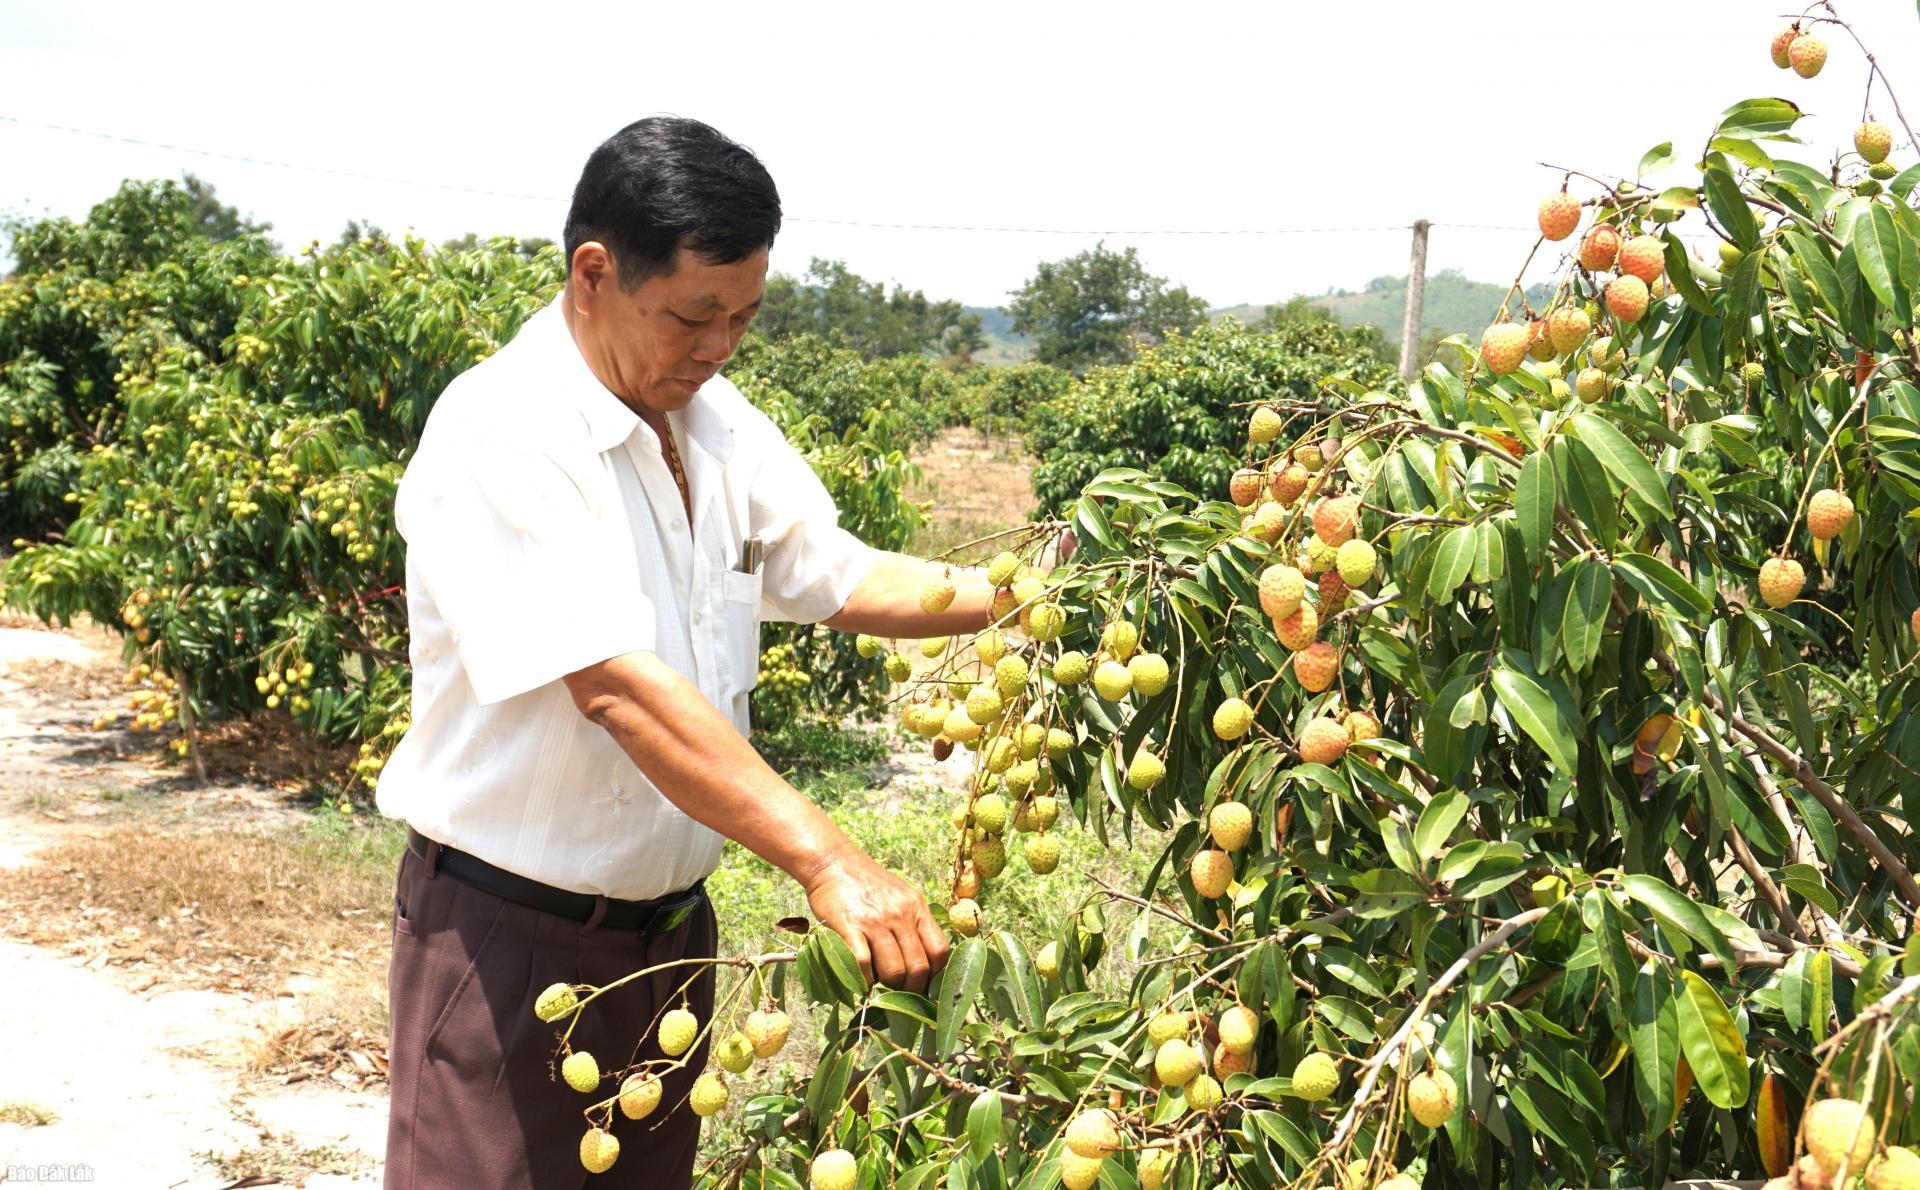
1416,301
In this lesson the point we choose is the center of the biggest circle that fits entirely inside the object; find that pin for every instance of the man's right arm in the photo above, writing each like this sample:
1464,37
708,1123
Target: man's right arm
700,763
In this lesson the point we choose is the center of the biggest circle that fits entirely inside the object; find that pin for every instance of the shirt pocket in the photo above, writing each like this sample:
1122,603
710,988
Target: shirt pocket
740,608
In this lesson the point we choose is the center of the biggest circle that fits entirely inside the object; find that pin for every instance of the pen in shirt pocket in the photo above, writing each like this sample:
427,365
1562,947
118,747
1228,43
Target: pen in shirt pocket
752,552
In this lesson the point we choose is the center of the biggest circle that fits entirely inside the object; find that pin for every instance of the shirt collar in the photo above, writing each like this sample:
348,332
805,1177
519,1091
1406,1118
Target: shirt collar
608,420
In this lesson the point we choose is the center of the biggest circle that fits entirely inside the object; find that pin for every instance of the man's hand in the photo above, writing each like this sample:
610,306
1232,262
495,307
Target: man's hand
883,918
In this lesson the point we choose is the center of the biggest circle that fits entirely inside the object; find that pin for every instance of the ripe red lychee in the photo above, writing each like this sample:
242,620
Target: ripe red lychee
1333,593
1828,514
1780,581
1323,741
1504,345
1316,666
1568,326
1559,215
1289,482
1599,249
1781,41
1807,55
1281,587
1335,519
1245,486
1873,141
1627,298
1644,257
1298,629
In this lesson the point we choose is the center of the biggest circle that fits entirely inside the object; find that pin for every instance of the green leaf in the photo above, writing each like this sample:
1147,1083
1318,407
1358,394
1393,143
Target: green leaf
1534,499
1820,998
959,985
1022,982
1715,1049
1437,821
983,1124
1875,243
1654,1028
1728,205
1758,118
836,959
1662,585
1452,562
1656,159
1676,911
1623,460
1585,620
1539,716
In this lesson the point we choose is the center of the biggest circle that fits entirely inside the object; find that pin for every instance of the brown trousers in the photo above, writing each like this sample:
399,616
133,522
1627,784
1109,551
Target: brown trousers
477,1099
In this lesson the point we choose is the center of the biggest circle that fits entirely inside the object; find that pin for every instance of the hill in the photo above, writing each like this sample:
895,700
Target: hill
1003,345
1453,304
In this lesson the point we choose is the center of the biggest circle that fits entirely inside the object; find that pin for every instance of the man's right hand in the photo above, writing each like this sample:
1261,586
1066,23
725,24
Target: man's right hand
884,919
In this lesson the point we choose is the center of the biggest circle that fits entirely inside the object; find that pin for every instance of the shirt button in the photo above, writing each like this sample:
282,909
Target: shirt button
699,617
679,526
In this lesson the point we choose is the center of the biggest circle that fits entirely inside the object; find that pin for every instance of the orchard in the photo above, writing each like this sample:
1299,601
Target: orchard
1533,749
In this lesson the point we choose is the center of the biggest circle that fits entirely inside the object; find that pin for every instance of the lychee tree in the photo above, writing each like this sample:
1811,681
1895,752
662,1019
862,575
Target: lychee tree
1530,759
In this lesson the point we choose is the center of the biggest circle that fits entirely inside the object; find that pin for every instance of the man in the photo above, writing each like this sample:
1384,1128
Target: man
596,522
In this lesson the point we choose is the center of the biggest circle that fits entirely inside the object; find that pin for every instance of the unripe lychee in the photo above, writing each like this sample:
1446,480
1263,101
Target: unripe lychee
1264,426
1232,719
1781,42
990,813
1112,681
959,727
1093,1133
1356,561
1203,1093
1150,673
1540,345
1043,854
1567,327
1010,675
639,1095
937,596
1212,872
1316,666
1070,668
1020,779
1896,1169
1163,1027
1335,519
1627,298
1593,385
1828,514
1004,566
1281,588
1310,456
1559,215
1046,621
1600,247
1883,170
1044,811
1245,486
1154,1168
1146,771
1504,345
767,1030
1644,257
1300,629
557,1001
1316,1077
1288,483
1239,1028
1323,741
1780,581
1873,140
984,704
1361,725
709,1095
964,916
1079,1173
599,1149
933,646
581,1071
968,883
867,646
1807,55
1120,639
897,668
1268,522
1060,742
834,1169
1432,1099
990,856
678,1030
1047,962
1838,1130
1176,1063
734,1053
1231,825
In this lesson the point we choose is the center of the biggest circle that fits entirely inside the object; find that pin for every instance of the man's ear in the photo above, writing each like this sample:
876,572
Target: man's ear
592,272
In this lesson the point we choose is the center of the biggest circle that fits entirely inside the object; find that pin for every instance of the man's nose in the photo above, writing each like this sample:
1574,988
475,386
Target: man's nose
713,346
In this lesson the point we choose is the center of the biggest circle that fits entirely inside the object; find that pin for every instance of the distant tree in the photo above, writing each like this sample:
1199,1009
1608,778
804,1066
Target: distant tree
1299,310
1099,308
213,218
355,231
526,247
834,301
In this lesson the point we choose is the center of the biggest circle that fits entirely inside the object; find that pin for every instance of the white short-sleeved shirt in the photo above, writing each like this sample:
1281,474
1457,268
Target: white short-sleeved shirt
544,534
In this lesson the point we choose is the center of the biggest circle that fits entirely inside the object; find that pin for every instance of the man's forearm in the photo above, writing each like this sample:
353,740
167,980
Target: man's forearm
887,601
701,764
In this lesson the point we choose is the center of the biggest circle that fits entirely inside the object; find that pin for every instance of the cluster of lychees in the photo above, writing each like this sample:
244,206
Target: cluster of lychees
761,1035
1842,1144
332,502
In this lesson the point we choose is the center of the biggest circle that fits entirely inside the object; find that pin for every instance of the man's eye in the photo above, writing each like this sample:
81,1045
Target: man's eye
693,321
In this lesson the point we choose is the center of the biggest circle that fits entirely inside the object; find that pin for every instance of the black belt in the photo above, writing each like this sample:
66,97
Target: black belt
649,917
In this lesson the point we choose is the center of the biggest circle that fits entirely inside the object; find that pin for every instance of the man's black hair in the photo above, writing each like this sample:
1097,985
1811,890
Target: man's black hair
666,183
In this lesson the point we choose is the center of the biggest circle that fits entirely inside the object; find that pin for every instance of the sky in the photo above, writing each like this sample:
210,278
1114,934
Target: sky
1114,121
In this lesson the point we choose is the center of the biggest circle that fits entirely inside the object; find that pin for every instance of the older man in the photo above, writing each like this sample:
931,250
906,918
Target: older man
596,523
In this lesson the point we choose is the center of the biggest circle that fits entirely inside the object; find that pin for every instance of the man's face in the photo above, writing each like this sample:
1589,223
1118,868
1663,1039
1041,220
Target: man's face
656,346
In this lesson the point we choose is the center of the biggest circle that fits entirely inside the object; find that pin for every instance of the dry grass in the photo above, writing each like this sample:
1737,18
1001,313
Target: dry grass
25,1113
977,487
233,910
280,1159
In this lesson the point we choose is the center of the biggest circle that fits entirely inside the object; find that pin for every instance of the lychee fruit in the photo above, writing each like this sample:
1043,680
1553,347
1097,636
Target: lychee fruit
1112,681
1281,588
1070,668
968,883
1333,592
1176,1063
1231,825
989,856
984,704
639,1095
1914,624
1146,771
1431,1099
937,596
1203,1093
867,646
1120,638
1310,456
1896,1169
834,1169
1644,257
1600,247
1540,344
678,1031
1873,141
1010,675
1046,621
959,727
1047,962
557,1001
1059,743
581,1071
767,1030
964,916
1504,345
1004,566
1093,1133
1226,1063
599,1149
1212,872
1335,519
1593,385
1627,298
1043,854
1836,1131
1079,1173
1268,522
1150,673
1807,55
1316,666
1298,630
1315,1077
1828,514
1288,483
1356,561
1781,41
734,1053
1559,215
1780,581
1264,426
1044,811
897,668
1238,1029
990,646
1568,327
1154,1168
709,1095
1362,725
1232,719
1245,486
1164,1026
1323,741
990,813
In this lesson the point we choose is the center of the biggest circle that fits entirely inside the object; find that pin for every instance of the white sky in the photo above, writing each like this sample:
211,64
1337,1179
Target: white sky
1359,113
